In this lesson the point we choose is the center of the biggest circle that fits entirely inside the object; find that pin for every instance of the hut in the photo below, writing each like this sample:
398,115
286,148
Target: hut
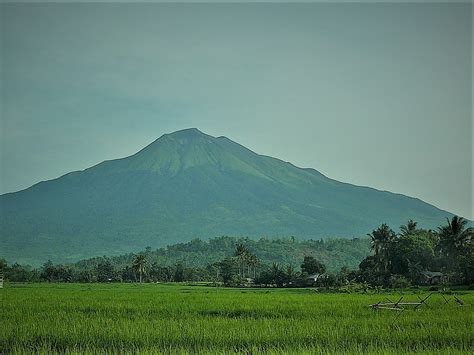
431,277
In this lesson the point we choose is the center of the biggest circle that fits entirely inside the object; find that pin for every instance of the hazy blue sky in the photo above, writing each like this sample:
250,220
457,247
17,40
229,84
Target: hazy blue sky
372,94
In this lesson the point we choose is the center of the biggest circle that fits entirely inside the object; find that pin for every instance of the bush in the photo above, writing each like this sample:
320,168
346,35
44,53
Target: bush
354,287
398,281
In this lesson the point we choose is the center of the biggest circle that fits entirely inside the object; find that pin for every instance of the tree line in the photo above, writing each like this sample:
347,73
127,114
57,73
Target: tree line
414,254
395,260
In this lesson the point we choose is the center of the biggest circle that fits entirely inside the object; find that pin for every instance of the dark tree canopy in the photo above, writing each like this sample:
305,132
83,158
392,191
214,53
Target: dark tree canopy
312,266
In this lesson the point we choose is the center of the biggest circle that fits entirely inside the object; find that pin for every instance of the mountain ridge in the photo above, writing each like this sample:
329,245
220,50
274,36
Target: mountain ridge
189,184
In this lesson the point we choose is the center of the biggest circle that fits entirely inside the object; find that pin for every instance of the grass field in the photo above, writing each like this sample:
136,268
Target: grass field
155,318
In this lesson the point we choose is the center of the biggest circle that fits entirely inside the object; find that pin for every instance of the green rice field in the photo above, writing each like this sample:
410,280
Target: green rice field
156,318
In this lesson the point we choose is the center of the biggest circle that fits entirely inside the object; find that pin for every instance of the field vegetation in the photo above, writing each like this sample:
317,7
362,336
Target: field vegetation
178,318
135,304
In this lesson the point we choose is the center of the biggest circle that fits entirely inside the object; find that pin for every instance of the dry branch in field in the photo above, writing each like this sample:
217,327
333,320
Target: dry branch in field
398,306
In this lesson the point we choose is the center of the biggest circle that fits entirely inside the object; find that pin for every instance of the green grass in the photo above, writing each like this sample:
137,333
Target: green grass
155,318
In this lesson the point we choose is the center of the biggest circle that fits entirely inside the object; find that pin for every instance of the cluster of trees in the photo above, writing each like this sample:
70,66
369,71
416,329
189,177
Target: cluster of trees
397,259
406,257
334,253
312,272
244,268
241,268
196,260
106,271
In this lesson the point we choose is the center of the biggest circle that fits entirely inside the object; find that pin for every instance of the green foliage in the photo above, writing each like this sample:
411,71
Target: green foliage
409,228
334,253
3,264
455,238
312,266
228,271
154,319
159,273
179,273
382,239
414,254
20,273
411,248
139,264
106,271
398,281
465,268
50,272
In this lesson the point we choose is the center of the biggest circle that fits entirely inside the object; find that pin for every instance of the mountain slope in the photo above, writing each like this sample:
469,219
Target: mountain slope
188,184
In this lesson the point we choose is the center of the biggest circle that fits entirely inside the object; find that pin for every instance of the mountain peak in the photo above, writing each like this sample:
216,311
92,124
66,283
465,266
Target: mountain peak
184,185
187,133
183,136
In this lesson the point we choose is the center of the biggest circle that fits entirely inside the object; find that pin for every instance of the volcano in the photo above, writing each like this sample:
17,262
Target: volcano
188,185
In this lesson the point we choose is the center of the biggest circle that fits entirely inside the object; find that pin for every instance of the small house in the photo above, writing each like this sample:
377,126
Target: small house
248,281
314,277
431,277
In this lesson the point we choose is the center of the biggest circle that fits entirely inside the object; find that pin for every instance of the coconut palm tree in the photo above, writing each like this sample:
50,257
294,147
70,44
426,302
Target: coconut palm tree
409,228
253,262
241,252
382,238
139,264
454,237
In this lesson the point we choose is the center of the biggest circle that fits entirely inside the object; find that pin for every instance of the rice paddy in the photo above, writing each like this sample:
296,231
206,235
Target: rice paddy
152,318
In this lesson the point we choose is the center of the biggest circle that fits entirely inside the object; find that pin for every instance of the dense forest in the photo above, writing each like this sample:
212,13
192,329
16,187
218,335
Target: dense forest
413,256
198,255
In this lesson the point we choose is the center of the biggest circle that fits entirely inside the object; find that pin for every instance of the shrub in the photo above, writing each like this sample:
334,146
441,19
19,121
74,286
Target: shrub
398,281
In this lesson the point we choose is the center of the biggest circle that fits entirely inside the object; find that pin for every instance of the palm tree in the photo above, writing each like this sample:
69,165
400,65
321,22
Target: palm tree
382,238
409,228
253,262
241,252
139,264
454,237
276,273
290,274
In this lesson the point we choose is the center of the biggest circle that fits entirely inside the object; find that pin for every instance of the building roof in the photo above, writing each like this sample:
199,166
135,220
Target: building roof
431,274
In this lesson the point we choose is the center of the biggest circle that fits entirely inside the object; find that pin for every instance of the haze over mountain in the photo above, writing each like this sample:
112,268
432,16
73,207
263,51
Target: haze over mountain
185,185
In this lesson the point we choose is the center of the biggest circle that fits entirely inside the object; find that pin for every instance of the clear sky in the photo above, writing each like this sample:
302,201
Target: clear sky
371,94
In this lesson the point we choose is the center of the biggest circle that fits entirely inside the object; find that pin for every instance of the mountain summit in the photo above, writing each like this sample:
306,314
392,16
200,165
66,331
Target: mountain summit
184,185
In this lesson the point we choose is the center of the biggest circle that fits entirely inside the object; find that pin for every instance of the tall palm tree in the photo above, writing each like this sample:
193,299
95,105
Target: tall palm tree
253,262
382,238
139,264
409,228
290,273
454,237
276,273
241,252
